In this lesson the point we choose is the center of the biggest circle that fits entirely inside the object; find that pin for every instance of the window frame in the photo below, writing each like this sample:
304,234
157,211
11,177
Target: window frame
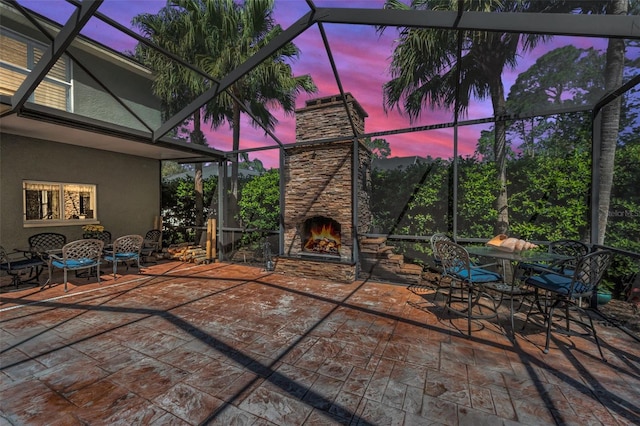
93,204
31,47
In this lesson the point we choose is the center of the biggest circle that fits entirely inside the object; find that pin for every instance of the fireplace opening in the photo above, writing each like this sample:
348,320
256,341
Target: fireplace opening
321,235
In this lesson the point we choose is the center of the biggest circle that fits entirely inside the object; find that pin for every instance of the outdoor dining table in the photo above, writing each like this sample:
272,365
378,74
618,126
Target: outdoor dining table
38,256
515,259
43,256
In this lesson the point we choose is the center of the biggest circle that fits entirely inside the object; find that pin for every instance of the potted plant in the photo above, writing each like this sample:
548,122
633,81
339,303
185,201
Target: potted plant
604,296
92,231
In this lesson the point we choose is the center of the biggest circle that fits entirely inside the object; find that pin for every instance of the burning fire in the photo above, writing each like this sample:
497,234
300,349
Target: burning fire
324,240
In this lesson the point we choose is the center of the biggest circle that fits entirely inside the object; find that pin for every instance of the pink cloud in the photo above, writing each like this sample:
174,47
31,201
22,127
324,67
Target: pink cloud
361,56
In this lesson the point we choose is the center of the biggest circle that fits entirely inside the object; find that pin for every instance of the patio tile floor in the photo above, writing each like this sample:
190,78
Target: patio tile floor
184,344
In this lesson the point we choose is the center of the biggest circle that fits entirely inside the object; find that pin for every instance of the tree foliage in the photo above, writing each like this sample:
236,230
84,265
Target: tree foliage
260,206
218,36
379,147
171,168
233,32
179,208
436,68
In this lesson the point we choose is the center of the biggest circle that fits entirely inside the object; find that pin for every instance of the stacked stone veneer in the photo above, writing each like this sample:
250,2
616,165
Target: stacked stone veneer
325,118
319,181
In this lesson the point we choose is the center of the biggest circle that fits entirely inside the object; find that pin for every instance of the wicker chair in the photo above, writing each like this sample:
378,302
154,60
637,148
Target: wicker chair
125,249
77,255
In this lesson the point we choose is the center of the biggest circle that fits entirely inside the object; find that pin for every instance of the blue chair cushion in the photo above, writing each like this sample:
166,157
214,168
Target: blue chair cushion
127,255
566,271
21,264
534,266
556,282
122,256
541,268
75,263
478,275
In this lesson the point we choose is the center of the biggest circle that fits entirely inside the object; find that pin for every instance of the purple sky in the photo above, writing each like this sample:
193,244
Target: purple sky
361,57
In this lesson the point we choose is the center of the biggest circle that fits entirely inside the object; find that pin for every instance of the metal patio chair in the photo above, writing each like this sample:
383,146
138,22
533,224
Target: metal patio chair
104,236
151,243
573,248
43,243
562,291
125,249
17,264
440,283
76,255
468,299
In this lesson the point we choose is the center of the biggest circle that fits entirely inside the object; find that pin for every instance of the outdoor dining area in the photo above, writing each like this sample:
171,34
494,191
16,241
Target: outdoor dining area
50,250
224,343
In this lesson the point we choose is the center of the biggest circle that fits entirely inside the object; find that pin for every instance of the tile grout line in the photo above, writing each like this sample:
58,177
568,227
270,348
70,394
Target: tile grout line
9,308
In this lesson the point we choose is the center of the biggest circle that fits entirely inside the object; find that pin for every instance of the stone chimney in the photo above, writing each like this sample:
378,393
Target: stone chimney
325,118
319,188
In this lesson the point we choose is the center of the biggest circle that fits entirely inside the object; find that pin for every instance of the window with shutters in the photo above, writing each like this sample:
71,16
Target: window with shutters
18,56
49,203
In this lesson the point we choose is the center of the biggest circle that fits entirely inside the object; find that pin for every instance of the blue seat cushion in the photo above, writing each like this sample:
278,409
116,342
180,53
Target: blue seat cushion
541,268
74,263
534,266
122,256
566,271
478,275
558,283
21,264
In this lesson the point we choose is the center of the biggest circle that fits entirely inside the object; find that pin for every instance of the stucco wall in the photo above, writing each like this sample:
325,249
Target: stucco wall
130,82
128,187
91,100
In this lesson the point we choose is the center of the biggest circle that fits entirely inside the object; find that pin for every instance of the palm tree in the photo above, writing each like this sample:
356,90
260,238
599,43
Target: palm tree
218,36
175,84
443,68
233,33
610,121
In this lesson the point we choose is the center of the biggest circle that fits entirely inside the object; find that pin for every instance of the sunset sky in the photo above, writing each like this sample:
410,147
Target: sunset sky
361,57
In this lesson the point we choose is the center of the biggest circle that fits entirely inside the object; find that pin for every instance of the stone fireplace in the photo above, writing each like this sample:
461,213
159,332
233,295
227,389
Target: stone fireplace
321,220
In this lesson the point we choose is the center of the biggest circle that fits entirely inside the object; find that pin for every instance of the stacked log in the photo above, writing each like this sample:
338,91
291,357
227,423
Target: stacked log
186,252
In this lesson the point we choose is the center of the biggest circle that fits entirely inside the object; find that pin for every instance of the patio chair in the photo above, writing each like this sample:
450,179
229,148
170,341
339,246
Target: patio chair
468,299
434,239
44,242
575,249
151,244
77,255
125,249
16,264
437,263
104,236
562,291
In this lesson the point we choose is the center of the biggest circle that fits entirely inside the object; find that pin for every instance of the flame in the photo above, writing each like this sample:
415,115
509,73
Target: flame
323,239
326,232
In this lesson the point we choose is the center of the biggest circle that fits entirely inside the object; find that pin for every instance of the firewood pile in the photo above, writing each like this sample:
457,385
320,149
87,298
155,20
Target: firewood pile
186,252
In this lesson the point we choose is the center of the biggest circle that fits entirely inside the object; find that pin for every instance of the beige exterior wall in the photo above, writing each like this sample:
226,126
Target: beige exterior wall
128,189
